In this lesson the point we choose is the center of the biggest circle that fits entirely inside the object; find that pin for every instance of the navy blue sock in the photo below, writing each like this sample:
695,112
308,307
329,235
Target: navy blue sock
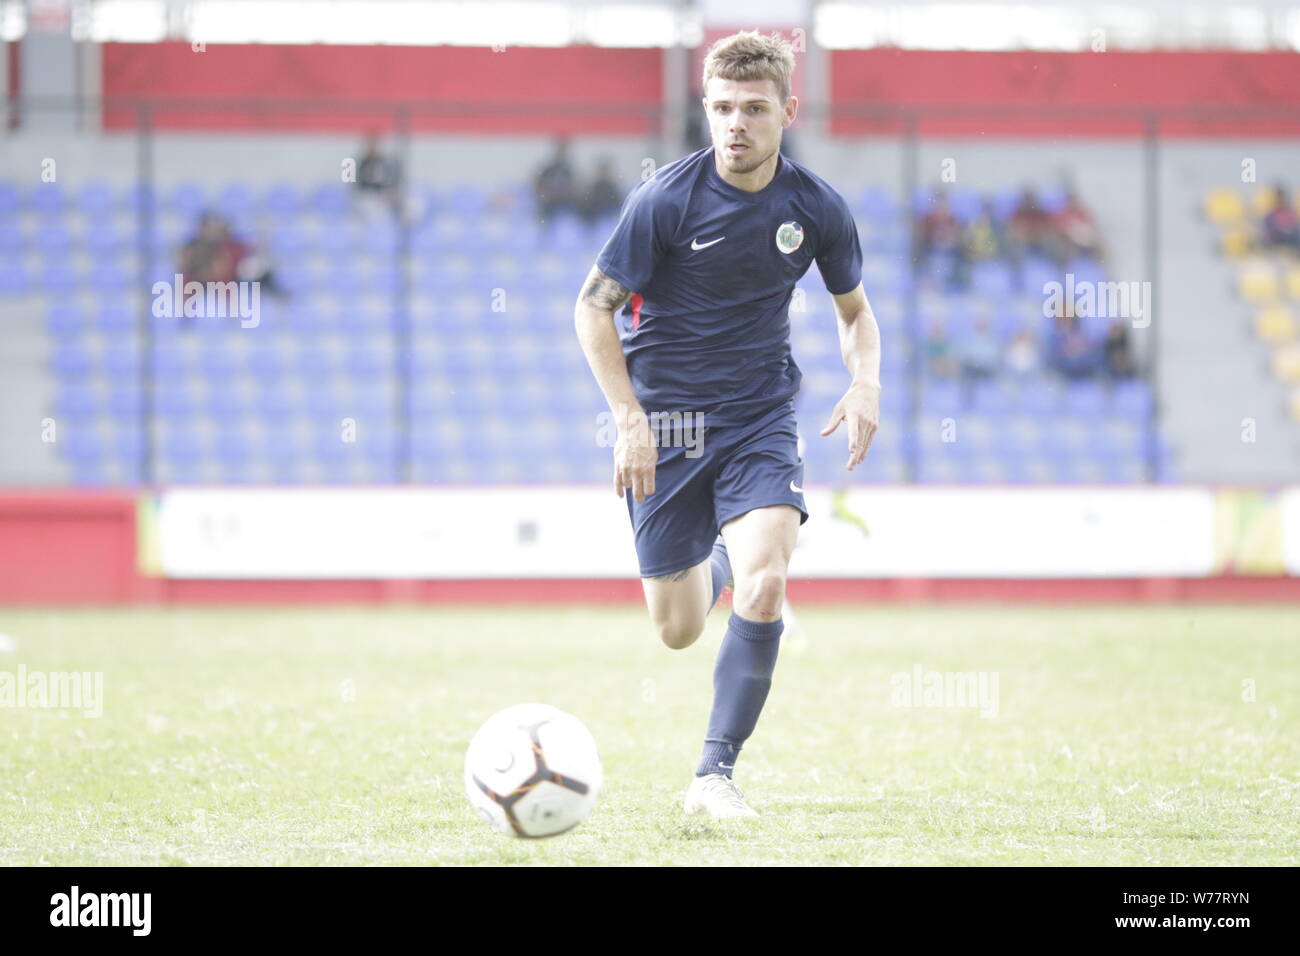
742,677
720,565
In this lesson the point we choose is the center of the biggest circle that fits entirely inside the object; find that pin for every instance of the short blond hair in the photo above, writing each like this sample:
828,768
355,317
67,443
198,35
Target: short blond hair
748,55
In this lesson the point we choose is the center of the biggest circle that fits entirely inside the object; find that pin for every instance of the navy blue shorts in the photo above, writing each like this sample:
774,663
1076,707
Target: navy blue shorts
738,468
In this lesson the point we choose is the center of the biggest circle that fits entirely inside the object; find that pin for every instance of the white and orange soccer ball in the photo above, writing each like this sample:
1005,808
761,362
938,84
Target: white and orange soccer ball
533,771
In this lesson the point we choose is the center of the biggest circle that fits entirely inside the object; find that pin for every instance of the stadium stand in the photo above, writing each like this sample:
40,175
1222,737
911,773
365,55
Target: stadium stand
328,351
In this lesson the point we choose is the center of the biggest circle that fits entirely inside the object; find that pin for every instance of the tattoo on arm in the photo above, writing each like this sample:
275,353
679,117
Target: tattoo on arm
602,292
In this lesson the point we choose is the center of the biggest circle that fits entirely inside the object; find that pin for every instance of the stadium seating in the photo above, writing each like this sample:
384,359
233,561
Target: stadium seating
480,327
1267,280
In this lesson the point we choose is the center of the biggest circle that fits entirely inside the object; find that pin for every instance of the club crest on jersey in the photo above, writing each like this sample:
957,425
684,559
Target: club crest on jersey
789,237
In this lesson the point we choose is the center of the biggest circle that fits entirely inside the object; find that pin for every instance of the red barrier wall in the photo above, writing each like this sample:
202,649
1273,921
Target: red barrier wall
1015,84
604,90
71,547
64,547
476,89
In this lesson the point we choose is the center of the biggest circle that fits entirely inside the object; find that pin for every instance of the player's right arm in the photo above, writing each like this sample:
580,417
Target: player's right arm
635,454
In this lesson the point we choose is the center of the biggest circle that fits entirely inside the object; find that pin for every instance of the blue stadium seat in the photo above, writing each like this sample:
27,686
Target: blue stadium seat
125,402
47,198
466,200
225,405
286,240
942,398
1040,397
232,448
330,200
71,361
10,200
364,366
85,453
96,199
1085,398
992,279
266,364
181,450
121,362
273,406
52,239
1131,399
58,277
175,404
217,364
108,277
236,200
65,321
76,401
282,200
103,239
185,199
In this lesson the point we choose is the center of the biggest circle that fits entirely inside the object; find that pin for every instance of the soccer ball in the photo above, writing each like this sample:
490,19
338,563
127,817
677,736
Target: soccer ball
533,771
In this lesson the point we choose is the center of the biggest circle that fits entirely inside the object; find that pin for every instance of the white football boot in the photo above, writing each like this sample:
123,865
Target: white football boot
718,796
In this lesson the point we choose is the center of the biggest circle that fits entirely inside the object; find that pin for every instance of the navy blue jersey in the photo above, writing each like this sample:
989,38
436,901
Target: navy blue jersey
712,268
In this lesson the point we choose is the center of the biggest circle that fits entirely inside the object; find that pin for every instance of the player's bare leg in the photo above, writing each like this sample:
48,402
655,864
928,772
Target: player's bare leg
760,543
679,603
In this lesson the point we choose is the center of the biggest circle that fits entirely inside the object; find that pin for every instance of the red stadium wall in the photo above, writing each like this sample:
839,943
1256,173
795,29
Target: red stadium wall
71,547
519,90
595,90
1004,88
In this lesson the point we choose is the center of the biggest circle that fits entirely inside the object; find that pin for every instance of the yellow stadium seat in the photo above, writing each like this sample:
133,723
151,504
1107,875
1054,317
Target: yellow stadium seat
1261,201
1257,282
1223,206
1286,363
1293,282
1275,324
1235,243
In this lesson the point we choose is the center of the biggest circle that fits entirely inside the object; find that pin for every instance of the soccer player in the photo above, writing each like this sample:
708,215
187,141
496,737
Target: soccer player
702,264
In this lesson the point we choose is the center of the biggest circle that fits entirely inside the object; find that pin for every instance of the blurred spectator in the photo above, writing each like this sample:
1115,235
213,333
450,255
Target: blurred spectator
1022,355
1117,356
556,185
938,231
981,241
215,254
603,197
981,354
1074,233
379,177
938,353
1073,353
1028,232
1281,228
212,254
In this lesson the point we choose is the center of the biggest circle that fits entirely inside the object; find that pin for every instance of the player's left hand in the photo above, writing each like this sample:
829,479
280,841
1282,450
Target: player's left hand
860,407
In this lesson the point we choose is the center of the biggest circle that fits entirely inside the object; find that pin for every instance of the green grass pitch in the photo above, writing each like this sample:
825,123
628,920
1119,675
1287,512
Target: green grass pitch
1123,735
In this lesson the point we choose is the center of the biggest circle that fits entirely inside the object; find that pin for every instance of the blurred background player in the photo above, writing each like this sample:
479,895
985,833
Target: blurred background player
706,255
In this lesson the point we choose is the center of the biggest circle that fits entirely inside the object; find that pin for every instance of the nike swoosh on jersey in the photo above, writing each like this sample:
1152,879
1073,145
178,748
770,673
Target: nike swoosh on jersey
696,244
795,488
